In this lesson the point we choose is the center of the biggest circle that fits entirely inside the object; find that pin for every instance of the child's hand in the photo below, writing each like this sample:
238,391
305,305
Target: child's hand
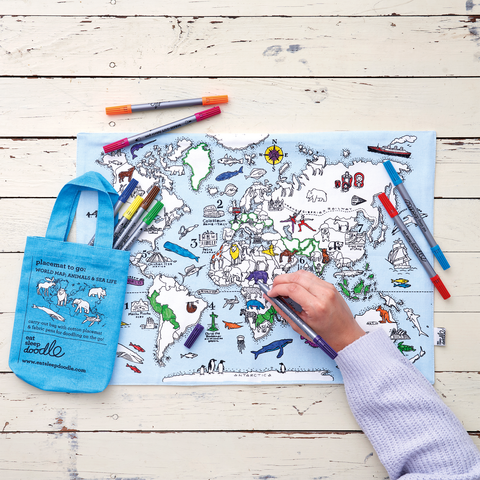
324,309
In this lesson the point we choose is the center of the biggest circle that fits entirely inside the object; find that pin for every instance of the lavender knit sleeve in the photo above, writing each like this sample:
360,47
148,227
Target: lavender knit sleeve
415,435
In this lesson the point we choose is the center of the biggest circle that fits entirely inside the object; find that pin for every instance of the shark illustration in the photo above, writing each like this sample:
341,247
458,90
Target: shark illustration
231,325
414,319
271,347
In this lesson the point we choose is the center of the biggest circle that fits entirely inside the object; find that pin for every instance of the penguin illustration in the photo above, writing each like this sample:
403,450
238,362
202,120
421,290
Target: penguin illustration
201,370
282,368
220,366
211,365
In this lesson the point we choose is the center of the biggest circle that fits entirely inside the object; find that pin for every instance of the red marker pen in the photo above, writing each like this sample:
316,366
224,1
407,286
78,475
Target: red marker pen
413,244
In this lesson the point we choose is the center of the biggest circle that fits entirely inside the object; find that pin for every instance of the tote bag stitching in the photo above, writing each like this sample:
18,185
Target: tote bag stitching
26,311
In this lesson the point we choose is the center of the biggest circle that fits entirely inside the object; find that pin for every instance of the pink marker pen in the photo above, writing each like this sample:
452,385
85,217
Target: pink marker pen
197,117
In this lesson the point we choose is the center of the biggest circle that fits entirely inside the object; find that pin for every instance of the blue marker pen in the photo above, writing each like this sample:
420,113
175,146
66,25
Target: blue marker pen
128,190
391,210
397,181
285,308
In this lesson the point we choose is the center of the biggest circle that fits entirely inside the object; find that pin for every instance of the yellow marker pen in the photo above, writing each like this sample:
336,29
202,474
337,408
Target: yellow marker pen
127,216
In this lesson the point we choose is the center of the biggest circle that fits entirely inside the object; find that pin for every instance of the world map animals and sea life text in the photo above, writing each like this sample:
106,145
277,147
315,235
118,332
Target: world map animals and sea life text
243,208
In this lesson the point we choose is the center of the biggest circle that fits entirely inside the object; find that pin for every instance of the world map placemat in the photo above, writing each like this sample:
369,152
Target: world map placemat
244,208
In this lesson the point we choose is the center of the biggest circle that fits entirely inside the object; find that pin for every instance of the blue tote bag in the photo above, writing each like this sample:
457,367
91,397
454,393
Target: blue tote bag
70,299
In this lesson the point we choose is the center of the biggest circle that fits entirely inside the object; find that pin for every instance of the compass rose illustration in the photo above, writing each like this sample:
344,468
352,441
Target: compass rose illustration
273,155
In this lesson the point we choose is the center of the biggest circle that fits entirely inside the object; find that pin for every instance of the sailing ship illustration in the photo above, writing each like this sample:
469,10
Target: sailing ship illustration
398,256
390,150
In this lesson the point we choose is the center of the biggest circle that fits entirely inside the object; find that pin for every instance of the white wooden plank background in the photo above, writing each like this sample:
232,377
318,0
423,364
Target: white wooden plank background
287,66
47,107
233,8
247,46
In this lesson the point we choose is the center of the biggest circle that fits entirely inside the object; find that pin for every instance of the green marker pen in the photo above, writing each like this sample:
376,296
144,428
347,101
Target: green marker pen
146,221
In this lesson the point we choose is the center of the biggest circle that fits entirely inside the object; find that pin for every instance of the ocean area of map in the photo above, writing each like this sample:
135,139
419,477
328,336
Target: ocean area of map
240,209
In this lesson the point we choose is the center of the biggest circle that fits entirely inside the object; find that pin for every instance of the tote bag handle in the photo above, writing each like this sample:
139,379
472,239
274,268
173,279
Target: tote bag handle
65,208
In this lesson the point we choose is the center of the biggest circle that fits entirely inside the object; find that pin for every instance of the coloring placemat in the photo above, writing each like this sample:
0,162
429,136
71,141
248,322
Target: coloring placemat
242,208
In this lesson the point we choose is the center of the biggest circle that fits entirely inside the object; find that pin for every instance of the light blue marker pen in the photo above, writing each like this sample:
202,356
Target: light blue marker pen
397,181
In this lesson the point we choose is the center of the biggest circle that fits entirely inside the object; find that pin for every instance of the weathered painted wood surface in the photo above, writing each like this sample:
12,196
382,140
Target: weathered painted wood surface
233,8
247,46
287,66
47,107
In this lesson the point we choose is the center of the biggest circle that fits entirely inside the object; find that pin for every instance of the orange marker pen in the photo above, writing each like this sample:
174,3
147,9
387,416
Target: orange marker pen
171,104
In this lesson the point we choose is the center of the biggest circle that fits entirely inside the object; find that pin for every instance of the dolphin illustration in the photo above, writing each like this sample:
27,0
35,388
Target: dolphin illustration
271,347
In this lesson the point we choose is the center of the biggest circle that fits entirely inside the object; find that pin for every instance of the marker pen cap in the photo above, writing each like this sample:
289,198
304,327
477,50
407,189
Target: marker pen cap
150,196
391,210
194,335
440,287
155,210
111,147
440,257
118,110
133,207
214,100
128,190
392,172
207,113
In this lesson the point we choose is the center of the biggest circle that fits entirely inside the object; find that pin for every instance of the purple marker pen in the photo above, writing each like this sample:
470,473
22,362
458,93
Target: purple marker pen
284,307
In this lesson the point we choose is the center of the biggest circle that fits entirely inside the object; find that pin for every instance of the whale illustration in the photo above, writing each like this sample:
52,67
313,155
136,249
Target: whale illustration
271,347
51,313
173,247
